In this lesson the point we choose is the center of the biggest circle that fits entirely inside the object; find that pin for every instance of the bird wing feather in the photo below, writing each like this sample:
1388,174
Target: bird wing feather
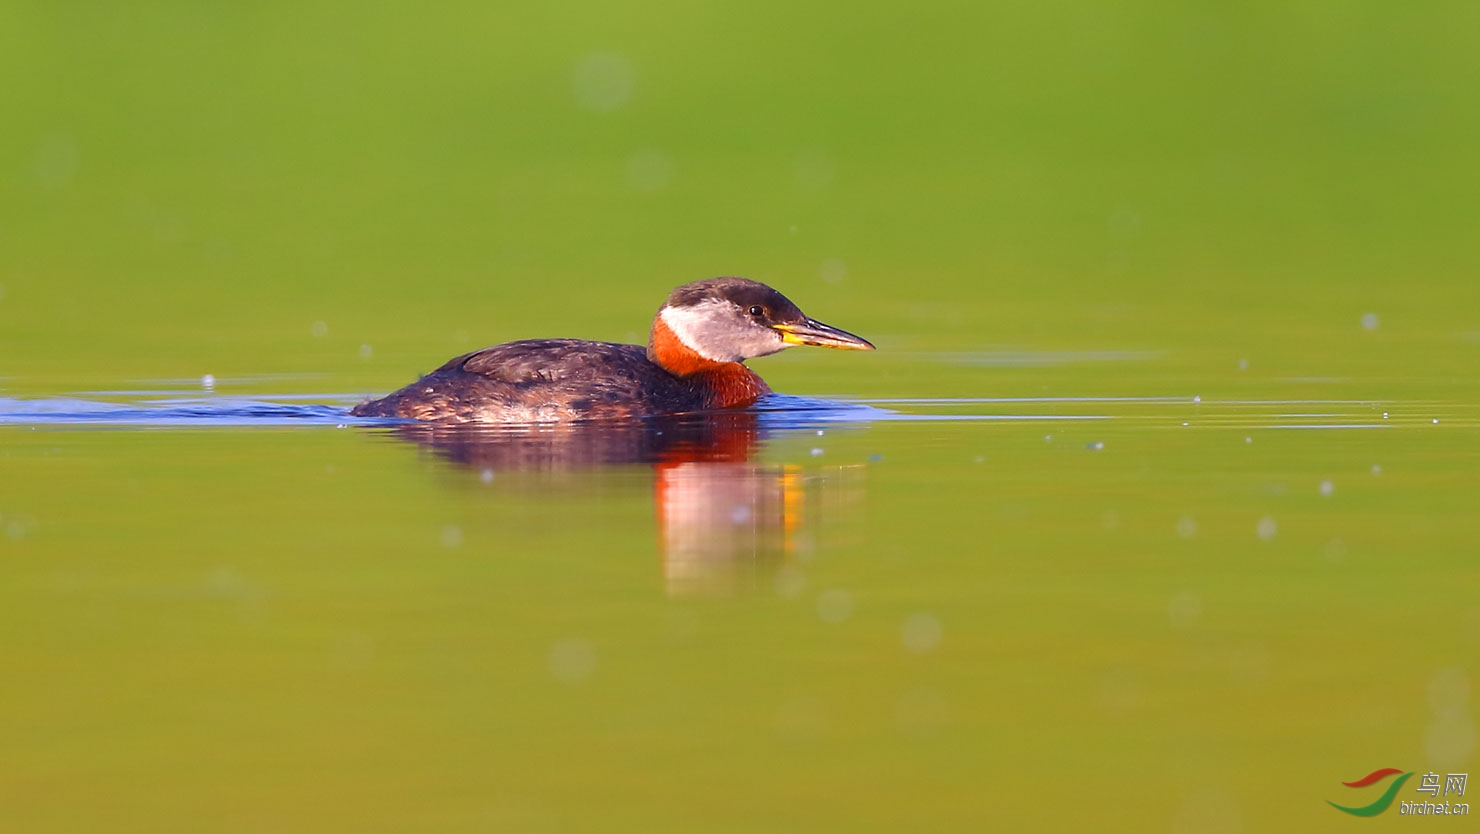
552,360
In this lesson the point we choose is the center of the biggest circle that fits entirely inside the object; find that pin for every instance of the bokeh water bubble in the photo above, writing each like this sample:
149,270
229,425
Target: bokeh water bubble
922,632
451,536
572,660
790,581
922,713
833,270
814,169
834,605
1266,528
649,170
1119,692
1209,811
56,162
1184,609
603,82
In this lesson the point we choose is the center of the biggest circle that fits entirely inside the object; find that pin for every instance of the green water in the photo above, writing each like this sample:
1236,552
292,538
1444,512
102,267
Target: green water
1239,239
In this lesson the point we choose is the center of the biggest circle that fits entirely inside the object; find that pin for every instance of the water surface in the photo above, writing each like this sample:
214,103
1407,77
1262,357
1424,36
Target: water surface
924,604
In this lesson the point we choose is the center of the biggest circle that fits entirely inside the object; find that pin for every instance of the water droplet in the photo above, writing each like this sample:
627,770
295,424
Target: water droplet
1184,609
921,713
649,171
814,170
1209,811
1119,693
1249,663
1124,221
834,606
602,82
355,650
1187,527
56,162
1335,551
1266,528
790,581
833,270
1449,741
572,660
1449,691
921,632
801,720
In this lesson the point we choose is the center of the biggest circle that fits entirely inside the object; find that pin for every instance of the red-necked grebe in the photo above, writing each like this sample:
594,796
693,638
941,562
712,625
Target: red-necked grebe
694,361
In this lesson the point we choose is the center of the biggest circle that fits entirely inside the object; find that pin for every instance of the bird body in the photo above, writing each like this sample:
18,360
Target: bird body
694,361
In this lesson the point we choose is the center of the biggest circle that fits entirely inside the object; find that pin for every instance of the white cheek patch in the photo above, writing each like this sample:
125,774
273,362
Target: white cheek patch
692,324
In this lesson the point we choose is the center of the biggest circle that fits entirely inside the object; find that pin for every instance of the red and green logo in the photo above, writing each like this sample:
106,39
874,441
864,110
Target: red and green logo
1383,801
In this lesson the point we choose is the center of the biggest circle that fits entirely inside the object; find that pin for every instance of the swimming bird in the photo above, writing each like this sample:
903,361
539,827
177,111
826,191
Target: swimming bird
693,361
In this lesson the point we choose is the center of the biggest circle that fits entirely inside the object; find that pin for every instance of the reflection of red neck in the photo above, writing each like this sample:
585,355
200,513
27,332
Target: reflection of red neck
726,384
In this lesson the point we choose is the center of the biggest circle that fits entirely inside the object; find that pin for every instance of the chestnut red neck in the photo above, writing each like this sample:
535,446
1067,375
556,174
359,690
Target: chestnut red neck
725,384
673,355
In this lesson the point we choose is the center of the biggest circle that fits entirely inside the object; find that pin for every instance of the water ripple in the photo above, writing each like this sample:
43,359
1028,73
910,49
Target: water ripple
778,411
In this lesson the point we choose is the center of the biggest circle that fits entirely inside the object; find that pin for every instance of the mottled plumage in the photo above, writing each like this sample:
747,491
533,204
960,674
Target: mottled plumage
693,362
549,381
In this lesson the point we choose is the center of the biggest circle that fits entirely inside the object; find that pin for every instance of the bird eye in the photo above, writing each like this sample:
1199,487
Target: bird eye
757,311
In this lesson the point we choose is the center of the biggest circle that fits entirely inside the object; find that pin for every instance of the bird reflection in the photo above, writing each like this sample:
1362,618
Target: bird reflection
726,521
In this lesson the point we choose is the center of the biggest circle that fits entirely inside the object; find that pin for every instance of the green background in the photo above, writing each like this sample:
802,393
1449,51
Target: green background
266,630
189,187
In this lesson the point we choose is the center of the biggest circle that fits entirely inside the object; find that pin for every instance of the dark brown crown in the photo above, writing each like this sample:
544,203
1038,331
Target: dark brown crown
742,292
